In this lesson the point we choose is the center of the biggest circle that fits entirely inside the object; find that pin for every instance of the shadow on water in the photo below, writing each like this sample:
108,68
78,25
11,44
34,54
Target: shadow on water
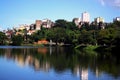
64,58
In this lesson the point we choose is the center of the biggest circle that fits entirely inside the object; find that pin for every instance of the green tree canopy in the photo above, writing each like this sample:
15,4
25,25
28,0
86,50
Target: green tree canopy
17,40
3,38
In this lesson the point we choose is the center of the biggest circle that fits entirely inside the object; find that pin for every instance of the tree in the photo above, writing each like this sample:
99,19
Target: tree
61,23
56,34
71,26
86,37
40,34
117,23
17,40
107,36
85,26
59,35
65,24
3,38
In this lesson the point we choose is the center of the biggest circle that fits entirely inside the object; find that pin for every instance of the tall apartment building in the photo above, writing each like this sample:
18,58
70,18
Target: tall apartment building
85,17
38,24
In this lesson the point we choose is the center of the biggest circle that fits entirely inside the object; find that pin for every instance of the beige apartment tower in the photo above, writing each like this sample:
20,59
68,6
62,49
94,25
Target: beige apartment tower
38,24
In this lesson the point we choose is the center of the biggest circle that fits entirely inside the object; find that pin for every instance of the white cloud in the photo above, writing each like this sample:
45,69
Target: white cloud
115,3
102,2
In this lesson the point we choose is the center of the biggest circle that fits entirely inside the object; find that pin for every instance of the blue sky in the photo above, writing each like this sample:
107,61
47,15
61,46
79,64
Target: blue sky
15,12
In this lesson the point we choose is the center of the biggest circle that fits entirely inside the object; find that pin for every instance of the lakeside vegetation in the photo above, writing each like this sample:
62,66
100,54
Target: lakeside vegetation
68,33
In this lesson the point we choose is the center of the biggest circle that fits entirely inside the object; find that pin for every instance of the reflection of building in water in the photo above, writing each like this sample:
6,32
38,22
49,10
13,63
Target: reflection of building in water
81,72
36,64
20,60
77,71
50,50
97,72
8,53
84,74
42,50
25,57
46,66
29,60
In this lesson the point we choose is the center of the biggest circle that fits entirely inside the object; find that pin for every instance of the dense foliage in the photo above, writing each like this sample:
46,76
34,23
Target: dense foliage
17,40
68,33
2,38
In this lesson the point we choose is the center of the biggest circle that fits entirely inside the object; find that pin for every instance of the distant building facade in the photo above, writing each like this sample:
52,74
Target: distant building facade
77,21
100,22
85,17
38,24
99,19
46,23
116,19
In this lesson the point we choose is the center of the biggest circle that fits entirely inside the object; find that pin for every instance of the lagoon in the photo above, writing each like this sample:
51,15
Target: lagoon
55,63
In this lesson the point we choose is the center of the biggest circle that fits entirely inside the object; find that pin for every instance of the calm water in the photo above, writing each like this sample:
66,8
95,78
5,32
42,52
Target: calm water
56,63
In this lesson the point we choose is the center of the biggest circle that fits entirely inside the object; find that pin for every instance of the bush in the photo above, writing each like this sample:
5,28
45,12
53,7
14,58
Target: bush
17,40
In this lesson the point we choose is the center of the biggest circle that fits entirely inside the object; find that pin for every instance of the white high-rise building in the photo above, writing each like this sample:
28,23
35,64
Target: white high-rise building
85,17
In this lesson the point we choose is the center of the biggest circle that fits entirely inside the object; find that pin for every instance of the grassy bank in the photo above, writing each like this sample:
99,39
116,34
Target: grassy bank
87,49
100,49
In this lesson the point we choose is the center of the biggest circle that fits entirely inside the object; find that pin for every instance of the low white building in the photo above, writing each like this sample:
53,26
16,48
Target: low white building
99,19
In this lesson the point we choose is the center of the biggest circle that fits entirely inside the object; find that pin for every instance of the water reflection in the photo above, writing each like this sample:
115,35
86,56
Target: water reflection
85,67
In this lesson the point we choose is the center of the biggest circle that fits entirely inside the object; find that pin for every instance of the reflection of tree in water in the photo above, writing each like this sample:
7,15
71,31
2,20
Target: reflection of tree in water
62,59
110,65
27,56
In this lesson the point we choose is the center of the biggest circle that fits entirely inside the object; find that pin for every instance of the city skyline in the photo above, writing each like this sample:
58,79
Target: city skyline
16,12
